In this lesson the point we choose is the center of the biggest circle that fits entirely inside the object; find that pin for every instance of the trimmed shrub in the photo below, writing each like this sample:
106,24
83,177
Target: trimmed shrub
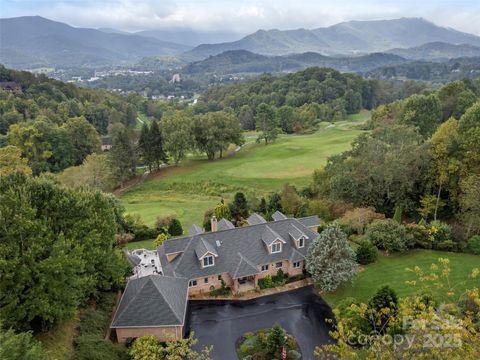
384,298
266,282
473,245
418,236
366,252
388,235
175,228
440,232
359,218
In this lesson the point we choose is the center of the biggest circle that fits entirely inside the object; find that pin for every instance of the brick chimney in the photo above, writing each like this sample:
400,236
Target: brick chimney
214,223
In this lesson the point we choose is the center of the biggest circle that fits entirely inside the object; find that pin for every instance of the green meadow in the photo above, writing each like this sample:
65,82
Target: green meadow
198,184
391,270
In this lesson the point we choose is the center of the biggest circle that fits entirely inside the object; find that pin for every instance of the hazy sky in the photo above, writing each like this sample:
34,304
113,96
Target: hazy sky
242,16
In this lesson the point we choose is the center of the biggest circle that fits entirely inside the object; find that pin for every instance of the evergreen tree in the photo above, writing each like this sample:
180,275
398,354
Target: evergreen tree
175,227
156,142
239,206
145,146
123,153
275,341
330,260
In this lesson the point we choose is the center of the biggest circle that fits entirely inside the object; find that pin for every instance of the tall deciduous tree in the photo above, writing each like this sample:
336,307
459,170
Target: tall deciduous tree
266,123
83,137
176,127
57,249
330,260
444,150
423,111
11,161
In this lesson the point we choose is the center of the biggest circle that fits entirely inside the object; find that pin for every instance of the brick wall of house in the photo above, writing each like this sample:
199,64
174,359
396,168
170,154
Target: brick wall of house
213,280
161,333
295,271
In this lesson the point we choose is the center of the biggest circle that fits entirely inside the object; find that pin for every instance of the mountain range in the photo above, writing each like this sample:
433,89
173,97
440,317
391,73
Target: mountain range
243,61
33,41
347,38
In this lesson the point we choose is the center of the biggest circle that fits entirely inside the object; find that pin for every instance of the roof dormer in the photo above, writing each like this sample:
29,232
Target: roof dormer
272,240
297,236
206,253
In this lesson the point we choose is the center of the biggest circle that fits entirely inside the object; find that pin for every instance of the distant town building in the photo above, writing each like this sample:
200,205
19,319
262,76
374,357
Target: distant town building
175,79
11,86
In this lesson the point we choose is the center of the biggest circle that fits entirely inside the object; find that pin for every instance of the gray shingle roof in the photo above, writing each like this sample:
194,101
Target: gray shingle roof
245,240
277,215
255,219
296,256
204,247
269,236
296,233
310,221
176,245
152,300
225,224
195,230
134,260
244,268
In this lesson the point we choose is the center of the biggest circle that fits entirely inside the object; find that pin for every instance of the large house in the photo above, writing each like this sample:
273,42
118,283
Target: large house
155,299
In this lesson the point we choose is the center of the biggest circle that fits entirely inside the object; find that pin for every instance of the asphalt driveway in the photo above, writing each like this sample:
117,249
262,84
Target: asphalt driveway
220,323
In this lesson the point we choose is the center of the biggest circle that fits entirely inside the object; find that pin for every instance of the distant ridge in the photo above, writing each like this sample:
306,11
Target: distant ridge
243,61
33,41
352,37
437,51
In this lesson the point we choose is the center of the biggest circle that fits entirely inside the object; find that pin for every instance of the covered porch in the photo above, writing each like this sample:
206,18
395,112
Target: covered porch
244,283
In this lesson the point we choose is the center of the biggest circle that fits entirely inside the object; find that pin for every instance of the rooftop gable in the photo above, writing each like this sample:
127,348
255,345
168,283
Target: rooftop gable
203,248
152,301
277,216
225,224
269,236
256,219
195,230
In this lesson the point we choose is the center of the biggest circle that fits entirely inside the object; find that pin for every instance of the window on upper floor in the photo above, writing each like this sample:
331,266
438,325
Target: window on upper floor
276,247
296,264
192,283
208,261
264,267
301,242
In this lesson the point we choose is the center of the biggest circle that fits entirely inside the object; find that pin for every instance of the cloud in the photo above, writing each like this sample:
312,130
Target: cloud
244,16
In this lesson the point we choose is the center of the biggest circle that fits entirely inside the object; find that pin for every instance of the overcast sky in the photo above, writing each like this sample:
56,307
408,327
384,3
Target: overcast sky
242,16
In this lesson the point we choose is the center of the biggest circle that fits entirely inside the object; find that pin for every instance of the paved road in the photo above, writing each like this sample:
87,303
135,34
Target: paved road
220,323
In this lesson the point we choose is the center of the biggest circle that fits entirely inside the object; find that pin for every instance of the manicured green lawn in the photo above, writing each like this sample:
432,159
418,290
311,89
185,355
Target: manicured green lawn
390,270
144,244
198,184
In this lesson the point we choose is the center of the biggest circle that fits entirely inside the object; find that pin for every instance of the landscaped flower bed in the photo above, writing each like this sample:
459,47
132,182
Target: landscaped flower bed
267,344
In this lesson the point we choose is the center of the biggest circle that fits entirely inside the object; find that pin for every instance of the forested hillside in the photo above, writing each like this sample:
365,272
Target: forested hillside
56,125
304,96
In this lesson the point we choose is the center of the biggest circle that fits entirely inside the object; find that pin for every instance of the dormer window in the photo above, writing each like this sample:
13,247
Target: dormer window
276,247
208,261
301,242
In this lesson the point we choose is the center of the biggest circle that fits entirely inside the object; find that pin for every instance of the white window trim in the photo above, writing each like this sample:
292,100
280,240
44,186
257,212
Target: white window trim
266,268
280,247
296,264
190,283
206,257
301,242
